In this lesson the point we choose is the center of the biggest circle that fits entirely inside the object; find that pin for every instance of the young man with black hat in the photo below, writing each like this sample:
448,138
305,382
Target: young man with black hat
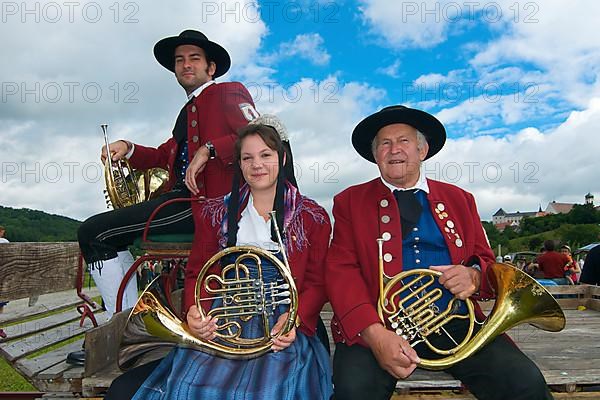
198,156
421,223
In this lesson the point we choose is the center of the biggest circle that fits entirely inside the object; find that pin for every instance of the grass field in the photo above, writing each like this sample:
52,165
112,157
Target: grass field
11,380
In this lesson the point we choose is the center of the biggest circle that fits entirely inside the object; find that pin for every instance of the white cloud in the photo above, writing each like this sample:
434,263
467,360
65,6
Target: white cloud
307,46
392,70
503,86
558,54
520,171
562,44
64,76
535,51
475,114
433,79
406,24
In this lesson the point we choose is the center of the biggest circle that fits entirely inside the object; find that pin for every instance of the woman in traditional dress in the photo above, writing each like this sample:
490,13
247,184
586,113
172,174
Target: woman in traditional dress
298,366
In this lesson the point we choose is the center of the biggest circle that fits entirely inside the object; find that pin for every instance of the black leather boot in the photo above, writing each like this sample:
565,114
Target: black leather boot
76,358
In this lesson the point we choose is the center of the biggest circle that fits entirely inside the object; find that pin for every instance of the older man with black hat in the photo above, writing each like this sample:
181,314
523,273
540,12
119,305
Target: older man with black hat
198,156
421,223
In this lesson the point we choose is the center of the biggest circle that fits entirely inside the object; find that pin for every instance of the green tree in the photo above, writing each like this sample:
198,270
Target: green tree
25,225
583,214
509,233
579,235
494,235
535,243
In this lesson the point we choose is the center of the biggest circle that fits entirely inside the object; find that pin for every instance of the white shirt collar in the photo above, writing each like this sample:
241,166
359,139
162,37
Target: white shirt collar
199,90
421,184
253,230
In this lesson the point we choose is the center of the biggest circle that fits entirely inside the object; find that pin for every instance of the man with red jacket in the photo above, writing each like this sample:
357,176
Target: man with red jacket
423,224
198,157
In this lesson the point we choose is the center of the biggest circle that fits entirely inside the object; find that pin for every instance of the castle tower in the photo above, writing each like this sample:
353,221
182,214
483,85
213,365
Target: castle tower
589,199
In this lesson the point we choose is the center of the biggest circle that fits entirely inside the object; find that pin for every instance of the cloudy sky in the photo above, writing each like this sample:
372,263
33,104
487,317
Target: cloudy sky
515,83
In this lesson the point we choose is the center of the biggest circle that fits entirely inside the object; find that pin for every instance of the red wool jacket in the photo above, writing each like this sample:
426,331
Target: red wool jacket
364,213
307,264
215,115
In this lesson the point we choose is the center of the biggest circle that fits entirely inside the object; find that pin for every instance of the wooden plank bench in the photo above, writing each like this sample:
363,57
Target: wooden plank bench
39,336
567,359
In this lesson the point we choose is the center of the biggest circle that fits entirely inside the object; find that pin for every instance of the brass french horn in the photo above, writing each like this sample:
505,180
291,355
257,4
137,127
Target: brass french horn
126,186
407,306
243,296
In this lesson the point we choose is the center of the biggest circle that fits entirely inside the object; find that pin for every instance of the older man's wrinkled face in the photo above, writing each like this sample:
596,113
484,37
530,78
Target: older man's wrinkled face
398,154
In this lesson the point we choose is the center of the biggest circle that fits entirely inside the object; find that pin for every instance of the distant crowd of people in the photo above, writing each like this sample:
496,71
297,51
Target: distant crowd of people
559,266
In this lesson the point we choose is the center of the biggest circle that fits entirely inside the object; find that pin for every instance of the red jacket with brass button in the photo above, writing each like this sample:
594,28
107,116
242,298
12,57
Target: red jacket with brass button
215,115
308,240
352,263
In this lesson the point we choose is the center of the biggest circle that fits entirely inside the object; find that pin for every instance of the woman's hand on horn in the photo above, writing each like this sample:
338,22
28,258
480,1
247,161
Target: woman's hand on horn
202,327
283,341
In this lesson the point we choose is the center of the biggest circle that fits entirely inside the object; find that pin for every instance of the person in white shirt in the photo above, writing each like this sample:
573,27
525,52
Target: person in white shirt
202,139
3,240
2,233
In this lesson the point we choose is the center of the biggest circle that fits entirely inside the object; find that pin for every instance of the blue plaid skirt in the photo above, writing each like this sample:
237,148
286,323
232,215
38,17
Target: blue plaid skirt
302,371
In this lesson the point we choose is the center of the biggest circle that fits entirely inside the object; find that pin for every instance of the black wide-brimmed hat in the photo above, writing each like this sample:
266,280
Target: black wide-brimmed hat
164,50
367,129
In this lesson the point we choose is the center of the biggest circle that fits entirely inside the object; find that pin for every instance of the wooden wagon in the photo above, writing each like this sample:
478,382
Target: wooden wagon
569,360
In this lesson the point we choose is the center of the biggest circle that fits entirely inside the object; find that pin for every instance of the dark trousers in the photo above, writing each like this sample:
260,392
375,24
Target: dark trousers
125,386
498,371
103,235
